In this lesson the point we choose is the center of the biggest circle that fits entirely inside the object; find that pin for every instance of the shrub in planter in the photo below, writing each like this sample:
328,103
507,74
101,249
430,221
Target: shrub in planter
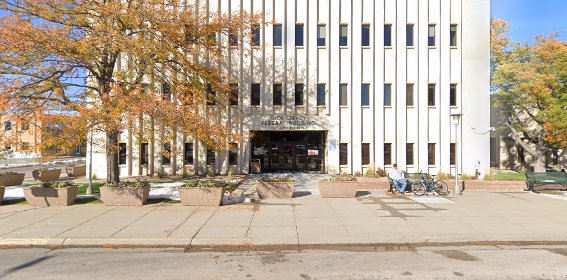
126,193
338,187
202,193
51,194
11,179
275,188
46,175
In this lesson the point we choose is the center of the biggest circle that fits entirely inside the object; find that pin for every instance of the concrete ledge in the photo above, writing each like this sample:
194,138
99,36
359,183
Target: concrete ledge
32,242
494,185
134,242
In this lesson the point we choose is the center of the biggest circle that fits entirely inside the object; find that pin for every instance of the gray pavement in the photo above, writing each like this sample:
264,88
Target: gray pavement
372,218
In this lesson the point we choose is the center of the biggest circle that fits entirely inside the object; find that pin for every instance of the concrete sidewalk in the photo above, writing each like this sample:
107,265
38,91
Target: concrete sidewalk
371,218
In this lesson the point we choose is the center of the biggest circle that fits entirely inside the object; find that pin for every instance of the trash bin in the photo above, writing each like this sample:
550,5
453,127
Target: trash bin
255,166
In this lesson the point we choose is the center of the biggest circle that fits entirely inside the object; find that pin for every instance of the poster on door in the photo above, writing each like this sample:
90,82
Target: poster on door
312,152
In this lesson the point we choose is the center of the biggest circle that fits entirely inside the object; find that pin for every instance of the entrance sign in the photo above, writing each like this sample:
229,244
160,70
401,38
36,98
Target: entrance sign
291,122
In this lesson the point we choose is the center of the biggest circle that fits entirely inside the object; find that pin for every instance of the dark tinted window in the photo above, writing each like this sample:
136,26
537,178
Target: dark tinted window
453,95
321,35
387,153
299,35
452,153
233,154
409,35
233,95
232,38
211,95
431,95
299,95
188,153
255,98
278,35
431,35
8,125
211,155
255,40
166,91
388,35
278,100
166,154
343,153
453,35
321,95
366,35
343,95
122,153
388,95
409,95
365,153
365,95
431,153
144,153
343,35
409,154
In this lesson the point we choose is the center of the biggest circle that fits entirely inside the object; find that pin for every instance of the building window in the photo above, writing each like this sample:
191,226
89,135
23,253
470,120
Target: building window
211,157
343,154
343,36
211,95
365,154
387,35
255,98
365,95
278,35
388,95
321,95
343,95
387,153
453,95
233,154
144,152
366,35
409,95
188,154
25,125
121,153
8,125
453,35
299,35
409,35
431,95
431,35
232,38
255,32
166,91
233,94
298,94
277,94
25,146
166,154
321,35
431,154
452,154
409,153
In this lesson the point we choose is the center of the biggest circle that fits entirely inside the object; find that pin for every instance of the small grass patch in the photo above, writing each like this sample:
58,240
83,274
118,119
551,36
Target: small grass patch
162,200
96,188
230,186
21,201
505,176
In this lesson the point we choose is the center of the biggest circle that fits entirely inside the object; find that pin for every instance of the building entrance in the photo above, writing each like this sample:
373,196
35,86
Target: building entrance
289,150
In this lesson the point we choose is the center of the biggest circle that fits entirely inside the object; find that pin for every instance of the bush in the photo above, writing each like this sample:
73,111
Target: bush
444,176
381,172
340,178
205,184
139,183
9,173
501,175
277,179
57,185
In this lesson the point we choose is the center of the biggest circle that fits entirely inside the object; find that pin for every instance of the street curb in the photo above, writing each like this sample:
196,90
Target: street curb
63,243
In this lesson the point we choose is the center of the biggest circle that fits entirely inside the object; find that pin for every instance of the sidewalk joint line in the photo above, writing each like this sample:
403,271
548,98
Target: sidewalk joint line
86,221
202,226
41,220
184,221
139,218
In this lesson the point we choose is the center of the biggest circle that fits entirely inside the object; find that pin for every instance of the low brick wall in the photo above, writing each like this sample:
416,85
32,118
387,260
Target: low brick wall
494,185
371,185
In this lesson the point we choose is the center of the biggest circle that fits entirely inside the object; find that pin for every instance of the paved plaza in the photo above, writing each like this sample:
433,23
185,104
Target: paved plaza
373,217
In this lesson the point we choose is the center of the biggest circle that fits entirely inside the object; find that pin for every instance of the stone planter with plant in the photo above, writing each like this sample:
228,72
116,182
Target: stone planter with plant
202,193
11,179
46,175
126,193
275,188
51,194
77,171
338,187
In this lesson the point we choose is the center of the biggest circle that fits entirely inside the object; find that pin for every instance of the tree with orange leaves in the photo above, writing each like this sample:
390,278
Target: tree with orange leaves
529,84
96,65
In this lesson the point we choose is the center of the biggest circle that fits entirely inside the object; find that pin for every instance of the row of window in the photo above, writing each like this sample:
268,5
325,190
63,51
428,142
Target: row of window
343,35
25,146
343,154
187,154
277,94
8,125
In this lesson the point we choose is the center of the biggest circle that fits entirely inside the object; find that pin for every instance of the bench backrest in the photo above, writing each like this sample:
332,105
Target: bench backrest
546,174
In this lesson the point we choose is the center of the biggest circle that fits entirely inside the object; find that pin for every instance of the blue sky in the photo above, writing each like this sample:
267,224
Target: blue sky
532,17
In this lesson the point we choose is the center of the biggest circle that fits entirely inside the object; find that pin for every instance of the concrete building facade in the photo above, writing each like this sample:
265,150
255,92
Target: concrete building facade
341,85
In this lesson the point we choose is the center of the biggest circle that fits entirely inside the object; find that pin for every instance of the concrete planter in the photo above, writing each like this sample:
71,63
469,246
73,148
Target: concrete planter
46,175
2,189
7,180
77,171
124,196
338,189
372,184
275,190
494,185
201,196
45,197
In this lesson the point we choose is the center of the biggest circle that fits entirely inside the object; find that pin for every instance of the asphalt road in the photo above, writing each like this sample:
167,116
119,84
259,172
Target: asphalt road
347,263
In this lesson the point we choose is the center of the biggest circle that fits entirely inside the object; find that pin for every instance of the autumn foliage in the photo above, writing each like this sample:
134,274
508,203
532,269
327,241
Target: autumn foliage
100,65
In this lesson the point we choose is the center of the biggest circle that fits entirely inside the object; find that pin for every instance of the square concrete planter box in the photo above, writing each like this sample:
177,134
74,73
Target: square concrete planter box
124,196
45,197
494,185
338,189
46,175
77,171
7,180
373,183
2,189
201,196
275,190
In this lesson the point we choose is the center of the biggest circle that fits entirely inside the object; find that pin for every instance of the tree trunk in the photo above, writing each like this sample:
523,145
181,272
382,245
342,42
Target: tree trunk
112,168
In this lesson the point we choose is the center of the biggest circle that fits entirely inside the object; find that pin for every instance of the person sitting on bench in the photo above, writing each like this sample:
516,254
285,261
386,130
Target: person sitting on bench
397,176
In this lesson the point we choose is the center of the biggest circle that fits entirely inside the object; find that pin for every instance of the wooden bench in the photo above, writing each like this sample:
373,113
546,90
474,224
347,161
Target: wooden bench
537,179
409,177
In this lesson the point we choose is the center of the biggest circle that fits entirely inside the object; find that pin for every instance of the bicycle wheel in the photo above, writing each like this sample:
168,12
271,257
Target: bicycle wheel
419,188
441,187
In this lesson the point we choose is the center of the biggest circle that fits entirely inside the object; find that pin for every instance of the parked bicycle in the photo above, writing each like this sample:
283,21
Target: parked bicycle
427,185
